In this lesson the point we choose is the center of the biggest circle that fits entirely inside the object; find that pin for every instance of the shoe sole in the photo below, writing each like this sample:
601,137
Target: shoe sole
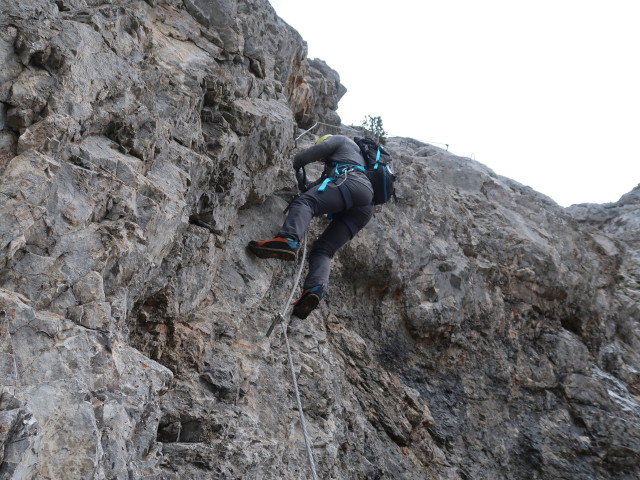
306,306
262,252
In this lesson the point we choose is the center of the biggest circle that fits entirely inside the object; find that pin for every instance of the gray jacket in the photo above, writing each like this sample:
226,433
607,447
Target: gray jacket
337,148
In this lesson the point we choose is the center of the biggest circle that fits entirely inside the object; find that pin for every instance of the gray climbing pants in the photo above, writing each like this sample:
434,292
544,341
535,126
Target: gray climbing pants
350,201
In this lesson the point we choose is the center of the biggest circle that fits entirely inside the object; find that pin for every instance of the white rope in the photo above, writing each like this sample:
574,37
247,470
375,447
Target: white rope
338,128
314,126
351,127
303,424
298,275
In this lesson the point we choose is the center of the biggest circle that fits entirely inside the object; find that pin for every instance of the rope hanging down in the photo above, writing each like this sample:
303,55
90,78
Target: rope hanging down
280,318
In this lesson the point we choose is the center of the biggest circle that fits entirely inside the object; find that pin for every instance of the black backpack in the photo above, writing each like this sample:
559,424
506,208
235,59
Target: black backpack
378,169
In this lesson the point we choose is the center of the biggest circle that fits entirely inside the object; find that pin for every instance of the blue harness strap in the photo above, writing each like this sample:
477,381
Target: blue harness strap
339,170
324,184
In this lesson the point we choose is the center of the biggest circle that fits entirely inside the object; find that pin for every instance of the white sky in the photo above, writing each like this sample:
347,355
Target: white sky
545,92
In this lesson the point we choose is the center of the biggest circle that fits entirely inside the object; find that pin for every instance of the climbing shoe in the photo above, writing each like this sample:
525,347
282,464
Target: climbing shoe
279,247
308,301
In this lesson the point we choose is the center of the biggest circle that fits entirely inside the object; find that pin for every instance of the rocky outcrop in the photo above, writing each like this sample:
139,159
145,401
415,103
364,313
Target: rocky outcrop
620,220
474,329
515,325
325,92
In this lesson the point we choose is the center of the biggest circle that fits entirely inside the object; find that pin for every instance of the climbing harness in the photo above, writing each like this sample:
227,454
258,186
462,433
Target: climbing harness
280,318
340,170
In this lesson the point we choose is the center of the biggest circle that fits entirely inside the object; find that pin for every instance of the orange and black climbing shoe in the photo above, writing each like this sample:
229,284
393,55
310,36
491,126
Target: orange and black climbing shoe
308,301
279,247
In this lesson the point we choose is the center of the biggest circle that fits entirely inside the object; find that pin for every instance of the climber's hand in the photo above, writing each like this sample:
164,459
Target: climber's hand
301,177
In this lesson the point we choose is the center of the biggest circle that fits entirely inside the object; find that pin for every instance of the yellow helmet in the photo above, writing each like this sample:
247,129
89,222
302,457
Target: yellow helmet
323,138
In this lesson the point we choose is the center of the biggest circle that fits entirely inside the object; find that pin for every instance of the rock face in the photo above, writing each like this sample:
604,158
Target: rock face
473,330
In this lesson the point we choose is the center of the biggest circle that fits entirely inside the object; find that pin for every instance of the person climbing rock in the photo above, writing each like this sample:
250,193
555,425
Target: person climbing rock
343,192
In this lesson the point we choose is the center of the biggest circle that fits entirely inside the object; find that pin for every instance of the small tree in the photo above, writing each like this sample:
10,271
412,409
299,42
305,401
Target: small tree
373,127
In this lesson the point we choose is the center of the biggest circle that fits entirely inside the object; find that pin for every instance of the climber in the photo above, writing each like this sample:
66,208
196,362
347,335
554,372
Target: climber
344,192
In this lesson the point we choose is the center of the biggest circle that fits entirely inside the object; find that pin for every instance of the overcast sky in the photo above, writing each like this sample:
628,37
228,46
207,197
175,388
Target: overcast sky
544,92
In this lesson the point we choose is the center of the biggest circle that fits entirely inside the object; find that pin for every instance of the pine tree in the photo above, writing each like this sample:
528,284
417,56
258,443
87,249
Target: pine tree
373,127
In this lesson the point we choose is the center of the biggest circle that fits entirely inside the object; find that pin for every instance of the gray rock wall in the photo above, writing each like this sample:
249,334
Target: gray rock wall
473,330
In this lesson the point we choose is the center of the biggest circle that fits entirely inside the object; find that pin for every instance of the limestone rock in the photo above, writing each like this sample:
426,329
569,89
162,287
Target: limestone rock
325,92
474,329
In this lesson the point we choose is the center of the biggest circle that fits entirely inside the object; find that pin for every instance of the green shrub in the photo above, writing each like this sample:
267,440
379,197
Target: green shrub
373,128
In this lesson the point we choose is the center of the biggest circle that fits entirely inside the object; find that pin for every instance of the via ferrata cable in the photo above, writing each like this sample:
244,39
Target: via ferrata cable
280,318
